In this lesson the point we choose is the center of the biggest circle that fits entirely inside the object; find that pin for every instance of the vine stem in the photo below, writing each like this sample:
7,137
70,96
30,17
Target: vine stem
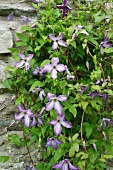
26,144
82,139
97,63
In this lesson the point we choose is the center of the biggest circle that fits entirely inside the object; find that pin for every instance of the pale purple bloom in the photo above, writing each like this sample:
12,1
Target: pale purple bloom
38,117
37,70
94,146
53,142
58,123
29,167
69,76
65,165
83,89
57,41
77,29
2,102
13,98
54,67
54,102
94,94
27,114
41,92
105,44
104,96
64,7
26,19
35,1
24,62
105,122
34,25
10,16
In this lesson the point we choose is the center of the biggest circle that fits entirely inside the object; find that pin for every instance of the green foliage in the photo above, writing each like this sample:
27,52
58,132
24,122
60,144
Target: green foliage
85,146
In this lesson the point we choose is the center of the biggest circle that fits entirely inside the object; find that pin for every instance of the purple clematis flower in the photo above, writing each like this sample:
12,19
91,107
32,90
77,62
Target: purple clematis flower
105,44
35,1
54,67
29,167
106,122
10,16
83,89
12,98
38,70
65,165
64,7
34,25
38,117
54,102
94,93
41,93
53,142
24,61
59,123
69,76
26,19
27,114
57,41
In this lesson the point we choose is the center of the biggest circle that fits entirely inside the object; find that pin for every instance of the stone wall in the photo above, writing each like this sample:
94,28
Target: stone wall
18,155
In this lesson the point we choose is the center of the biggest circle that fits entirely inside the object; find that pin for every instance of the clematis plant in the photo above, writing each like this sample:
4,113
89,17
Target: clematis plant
57,41
24,62
54,102
27,114
58,123
64,8
65,165
53,142
54,67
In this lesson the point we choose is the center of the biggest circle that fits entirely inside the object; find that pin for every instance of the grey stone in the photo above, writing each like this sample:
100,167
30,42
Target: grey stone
6,40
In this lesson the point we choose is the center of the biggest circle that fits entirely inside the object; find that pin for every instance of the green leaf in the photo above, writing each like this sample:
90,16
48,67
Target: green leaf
4,158
6,84
76,146
44,62
70,30
71,151
73,43
88,131
108,50
36,84
75,136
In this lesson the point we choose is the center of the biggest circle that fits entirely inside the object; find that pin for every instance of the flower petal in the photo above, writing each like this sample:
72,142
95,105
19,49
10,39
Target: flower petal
58,107
50,96
58,165
60,6
22,56
53,122
62,43
66,124
27,120
64,166
49,106
21,108
29,112
60,37
48,143
29,57
54,74
55,45
19,64
60,67
33,122
58,141
57,128
52,37
27,66
54,145
40,121
72,167
47,68
65,2
41,95
62,98
54,61
19,116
